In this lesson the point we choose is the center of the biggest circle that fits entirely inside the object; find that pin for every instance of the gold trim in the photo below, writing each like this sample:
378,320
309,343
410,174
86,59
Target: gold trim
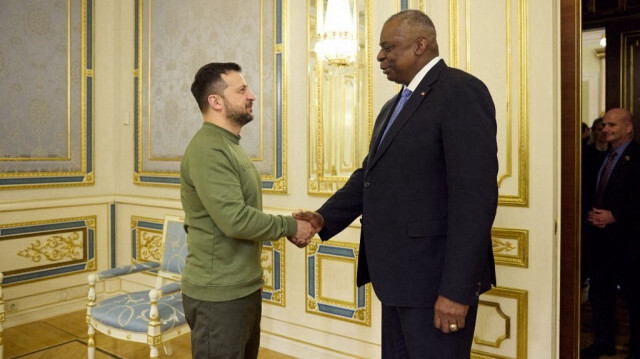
521,298
320,258
88,178
362,316
502,248
507,326
522,198
278,297
55,248
279,183
138,240
467,16
90,264
453,33
509,132
319,184
266,267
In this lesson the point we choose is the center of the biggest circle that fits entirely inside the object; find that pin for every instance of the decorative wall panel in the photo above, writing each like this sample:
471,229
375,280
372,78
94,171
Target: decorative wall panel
47,249
173,39
506,76
146,239
273,264
331,283
46,93
501,328
510,247
340,104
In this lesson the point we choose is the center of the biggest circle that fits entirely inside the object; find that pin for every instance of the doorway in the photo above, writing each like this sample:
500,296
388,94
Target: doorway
619,17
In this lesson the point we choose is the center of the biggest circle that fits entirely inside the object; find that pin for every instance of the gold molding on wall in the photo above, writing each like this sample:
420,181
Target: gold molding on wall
32,176
493,350
359,311
53,227
507,326
331,163
272,294
521,198
510,247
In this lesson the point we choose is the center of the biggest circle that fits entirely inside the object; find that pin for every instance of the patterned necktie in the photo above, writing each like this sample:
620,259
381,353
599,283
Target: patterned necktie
403,99
604,177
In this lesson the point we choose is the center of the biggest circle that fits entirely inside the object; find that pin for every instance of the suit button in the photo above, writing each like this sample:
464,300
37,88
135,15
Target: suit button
477,293
367,185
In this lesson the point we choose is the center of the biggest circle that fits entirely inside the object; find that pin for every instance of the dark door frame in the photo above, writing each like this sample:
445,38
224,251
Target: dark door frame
570,73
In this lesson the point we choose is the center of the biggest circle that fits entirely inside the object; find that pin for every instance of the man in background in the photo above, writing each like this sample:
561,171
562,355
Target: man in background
614,218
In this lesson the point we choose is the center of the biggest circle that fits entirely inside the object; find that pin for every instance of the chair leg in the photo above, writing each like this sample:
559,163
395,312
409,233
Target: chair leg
167,348
154,353
91,343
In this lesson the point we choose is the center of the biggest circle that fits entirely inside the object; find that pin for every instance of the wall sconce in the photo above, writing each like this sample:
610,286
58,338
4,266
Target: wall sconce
336,38
339,90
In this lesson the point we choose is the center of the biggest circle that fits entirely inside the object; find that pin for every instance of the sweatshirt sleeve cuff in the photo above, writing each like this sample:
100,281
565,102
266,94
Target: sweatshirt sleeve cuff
291,226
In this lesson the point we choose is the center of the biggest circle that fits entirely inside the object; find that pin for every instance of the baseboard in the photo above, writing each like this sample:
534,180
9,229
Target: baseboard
44,312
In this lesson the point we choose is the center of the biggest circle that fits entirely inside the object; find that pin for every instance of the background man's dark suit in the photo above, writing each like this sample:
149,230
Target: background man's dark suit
615,255
427,196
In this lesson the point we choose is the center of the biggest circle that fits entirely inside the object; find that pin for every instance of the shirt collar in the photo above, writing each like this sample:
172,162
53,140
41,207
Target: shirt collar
621,148
422,73
227,134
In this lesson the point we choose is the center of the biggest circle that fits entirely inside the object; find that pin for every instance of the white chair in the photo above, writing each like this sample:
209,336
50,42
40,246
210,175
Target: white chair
153,317
1,318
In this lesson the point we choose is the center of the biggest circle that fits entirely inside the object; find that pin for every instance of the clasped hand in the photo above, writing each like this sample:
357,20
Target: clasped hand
600,217
309,223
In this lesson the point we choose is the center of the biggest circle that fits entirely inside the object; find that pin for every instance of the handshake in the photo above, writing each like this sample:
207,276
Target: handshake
309,223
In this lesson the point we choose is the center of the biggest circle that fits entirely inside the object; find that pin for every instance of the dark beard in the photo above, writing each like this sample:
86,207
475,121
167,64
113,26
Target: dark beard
236,116
240,118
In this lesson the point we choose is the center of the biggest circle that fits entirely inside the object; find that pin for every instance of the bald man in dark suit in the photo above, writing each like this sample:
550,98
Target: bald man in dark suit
427,194
614,217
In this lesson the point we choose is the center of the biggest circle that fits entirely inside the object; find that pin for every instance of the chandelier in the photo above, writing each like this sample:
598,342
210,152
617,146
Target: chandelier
336,37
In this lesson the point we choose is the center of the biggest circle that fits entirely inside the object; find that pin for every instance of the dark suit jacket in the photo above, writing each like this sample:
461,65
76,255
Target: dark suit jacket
619,240
427,195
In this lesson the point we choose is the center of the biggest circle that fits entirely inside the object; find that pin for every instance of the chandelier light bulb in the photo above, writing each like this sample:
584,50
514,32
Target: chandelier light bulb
336,38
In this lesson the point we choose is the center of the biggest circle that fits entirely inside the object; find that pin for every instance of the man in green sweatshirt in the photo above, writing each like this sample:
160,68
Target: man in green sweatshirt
222,200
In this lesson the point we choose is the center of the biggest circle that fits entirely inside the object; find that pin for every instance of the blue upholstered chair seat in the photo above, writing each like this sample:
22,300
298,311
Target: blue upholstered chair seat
131,311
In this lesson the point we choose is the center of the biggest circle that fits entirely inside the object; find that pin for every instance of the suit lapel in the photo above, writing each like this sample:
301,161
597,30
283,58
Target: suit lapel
623,162
421,92
379,126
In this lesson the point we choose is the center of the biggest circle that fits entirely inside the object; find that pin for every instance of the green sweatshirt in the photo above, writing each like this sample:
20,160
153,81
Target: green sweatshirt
222,200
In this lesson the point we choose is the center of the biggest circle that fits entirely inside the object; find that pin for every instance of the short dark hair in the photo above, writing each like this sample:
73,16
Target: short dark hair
208,81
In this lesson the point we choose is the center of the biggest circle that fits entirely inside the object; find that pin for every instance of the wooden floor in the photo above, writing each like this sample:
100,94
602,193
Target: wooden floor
66,337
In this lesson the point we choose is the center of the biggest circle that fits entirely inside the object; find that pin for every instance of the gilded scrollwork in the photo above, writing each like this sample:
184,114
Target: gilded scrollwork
360,314
278,245
311,304
502,246
150,246
55,248
312,248
277,297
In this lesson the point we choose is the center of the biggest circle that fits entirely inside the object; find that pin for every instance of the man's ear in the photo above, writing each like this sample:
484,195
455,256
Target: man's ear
421,45
215,102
